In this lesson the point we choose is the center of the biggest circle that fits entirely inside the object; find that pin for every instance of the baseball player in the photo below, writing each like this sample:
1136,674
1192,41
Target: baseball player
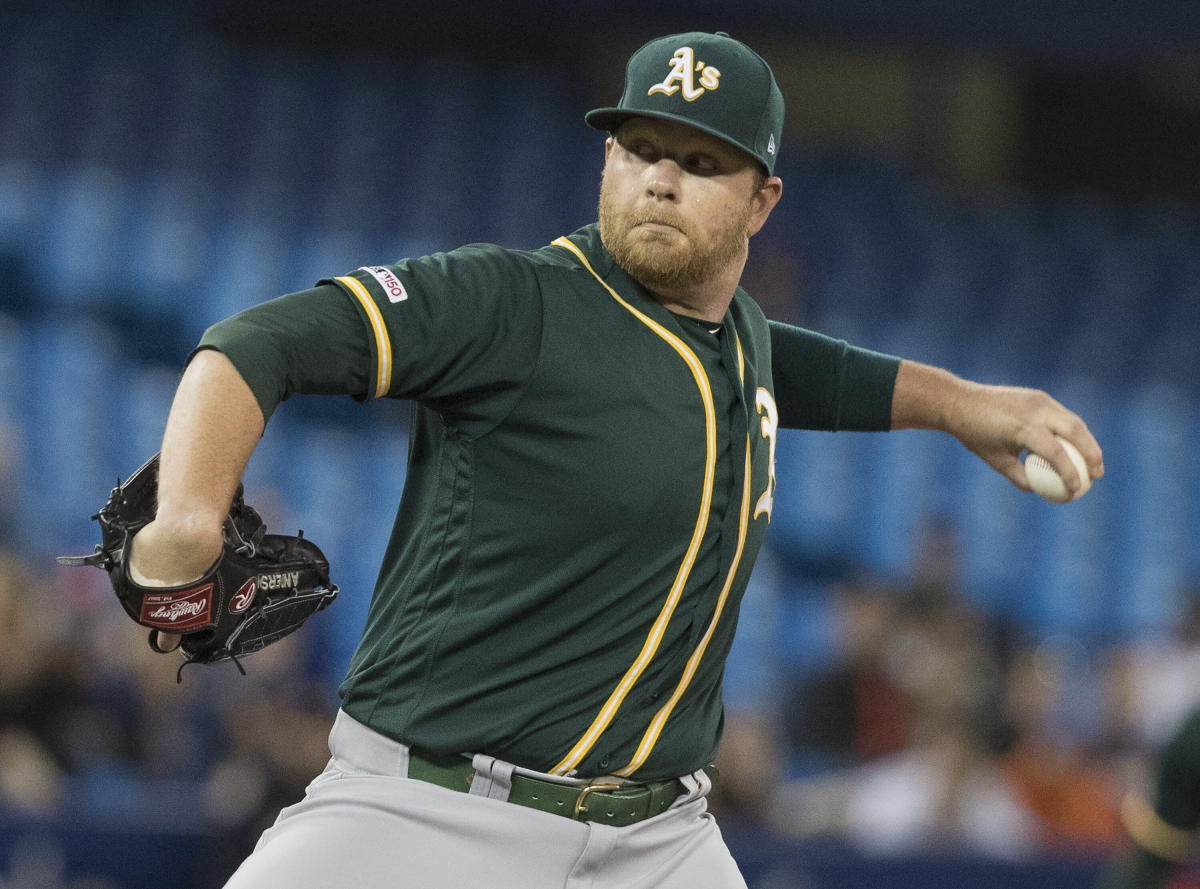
1163,833
536,698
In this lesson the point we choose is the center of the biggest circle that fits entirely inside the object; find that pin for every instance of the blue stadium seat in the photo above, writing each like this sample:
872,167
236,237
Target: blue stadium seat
24,212
816,504
913,477
992,520
755,671
171,240
808,637
1157,476
1168,352
72,366
325,252
17,434
141,399
342,486
85,252
13,344
1075,548
248,265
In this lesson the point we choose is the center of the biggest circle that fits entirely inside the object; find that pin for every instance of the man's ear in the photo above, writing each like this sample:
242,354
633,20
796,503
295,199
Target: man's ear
763,203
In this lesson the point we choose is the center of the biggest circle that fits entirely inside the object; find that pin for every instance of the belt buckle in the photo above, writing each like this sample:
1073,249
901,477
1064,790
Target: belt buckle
585,790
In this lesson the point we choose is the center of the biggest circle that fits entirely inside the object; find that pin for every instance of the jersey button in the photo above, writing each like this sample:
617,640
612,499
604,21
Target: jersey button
604,762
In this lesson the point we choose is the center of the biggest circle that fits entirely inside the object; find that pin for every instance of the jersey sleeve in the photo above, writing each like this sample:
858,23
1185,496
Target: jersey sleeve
450,328
453,330
309,342
826,383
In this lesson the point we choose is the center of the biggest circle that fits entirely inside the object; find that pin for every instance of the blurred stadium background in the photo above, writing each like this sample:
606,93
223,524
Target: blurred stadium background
939,681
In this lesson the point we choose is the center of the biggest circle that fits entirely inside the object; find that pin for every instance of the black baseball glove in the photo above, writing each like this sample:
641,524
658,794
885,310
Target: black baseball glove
261,588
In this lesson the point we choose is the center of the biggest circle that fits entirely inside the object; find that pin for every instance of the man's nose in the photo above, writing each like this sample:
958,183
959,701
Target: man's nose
663,181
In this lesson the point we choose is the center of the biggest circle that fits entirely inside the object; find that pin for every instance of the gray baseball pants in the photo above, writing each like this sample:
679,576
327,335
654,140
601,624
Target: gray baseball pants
363,824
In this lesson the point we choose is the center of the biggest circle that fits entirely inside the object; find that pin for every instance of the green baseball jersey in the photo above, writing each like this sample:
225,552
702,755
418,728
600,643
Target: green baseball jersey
590,477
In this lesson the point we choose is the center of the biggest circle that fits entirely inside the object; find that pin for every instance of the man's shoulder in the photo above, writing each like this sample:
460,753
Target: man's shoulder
556,253
580,248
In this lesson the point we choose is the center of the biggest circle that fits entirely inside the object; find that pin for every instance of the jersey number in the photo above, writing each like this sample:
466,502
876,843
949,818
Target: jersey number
768,426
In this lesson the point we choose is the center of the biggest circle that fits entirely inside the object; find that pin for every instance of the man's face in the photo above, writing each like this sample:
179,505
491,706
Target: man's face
677,206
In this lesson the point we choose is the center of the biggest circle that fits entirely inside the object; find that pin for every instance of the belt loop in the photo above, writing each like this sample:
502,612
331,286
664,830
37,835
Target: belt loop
402,760
696,785
492,779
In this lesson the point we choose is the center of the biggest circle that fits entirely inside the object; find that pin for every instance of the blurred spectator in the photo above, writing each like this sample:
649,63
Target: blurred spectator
1056,761
945,792
942,653
911,720
32,695
855,710
749,765
1161,674
90,717
273,740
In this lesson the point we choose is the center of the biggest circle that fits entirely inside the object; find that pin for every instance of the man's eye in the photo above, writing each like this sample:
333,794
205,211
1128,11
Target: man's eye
645,150
703,165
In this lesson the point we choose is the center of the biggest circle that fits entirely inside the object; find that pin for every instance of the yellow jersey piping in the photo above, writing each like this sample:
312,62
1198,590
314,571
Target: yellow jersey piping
617,697
1153,834
383,344
650,738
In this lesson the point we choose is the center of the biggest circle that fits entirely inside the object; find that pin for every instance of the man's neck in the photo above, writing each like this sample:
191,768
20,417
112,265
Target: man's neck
707,301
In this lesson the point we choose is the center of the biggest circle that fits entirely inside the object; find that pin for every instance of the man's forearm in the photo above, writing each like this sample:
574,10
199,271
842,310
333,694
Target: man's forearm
927,397
213,427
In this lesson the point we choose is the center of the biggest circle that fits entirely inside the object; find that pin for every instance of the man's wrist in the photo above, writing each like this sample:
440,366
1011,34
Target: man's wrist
928,397
168,554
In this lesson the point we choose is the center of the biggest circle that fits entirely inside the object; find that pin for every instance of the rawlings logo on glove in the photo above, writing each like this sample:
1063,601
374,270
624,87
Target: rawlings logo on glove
262,587
165,611
243,597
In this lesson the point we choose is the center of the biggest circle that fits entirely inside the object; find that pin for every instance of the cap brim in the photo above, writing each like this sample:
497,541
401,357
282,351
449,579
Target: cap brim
606,118
610,118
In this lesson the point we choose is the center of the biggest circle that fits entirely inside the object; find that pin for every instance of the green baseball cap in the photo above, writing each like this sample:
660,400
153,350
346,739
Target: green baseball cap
708,81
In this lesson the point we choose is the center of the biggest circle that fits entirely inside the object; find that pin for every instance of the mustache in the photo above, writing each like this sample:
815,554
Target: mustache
636,218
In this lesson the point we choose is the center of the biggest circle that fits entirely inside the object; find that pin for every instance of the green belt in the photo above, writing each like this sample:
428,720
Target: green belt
599,801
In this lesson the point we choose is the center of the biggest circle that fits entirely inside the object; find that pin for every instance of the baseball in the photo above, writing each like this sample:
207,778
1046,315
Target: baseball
1047,483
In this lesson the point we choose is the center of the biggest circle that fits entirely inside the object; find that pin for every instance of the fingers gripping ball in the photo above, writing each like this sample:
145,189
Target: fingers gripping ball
1048,484
261,588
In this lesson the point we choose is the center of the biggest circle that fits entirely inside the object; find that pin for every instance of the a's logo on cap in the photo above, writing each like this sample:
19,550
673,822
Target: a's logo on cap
684,69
